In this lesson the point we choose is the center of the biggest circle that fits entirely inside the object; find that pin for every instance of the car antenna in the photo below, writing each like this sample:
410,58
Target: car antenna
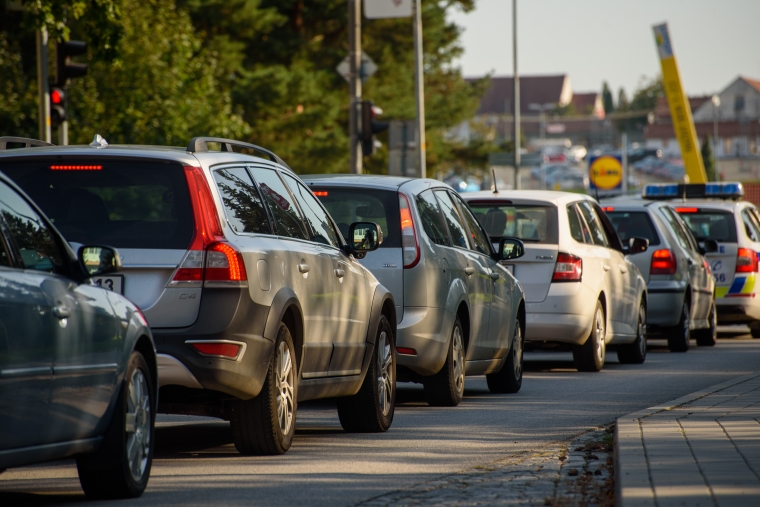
493,178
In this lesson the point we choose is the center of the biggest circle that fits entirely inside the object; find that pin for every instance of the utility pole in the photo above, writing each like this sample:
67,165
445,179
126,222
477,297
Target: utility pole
624,153
516,97
43,86
419,85
354,82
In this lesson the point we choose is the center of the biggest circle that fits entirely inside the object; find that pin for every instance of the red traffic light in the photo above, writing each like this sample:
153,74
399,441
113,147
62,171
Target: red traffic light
57,96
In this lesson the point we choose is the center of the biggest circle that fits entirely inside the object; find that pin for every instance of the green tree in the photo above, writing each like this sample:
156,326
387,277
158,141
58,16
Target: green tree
708,159
622,100
607,100
643,101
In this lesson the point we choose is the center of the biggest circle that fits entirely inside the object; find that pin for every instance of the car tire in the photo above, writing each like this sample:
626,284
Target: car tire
371,409
509,378
636,352
679,335
708,337
121,467
590,355
265,425
754,331
446,388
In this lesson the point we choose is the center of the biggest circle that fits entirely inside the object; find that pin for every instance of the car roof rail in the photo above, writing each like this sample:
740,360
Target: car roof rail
28,143
198,144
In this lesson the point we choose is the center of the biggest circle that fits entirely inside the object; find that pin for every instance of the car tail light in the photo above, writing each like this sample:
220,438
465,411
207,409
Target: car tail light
746,261
406,351
207,228
569,268
408,234
227,350
681,209
663,262
76,167
224,264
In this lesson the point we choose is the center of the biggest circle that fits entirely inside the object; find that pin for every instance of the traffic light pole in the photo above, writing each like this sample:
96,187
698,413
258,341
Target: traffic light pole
43,86
354,83
419,85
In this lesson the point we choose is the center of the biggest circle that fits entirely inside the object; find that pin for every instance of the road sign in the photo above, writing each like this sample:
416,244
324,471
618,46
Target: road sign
605,173
508,159
378,9
367,69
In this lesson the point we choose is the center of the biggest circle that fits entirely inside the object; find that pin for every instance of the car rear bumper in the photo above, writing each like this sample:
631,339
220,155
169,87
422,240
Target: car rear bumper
736,310
226,314
565,315
427,331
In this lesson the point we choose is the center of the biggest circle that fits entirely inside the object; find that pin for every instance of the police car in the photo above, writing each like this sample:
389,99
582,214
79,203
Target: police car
716,211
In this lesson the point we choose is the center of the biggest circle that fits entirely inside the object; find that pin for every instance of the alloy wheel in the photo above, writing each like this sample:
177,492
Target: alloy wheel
284,386
384,373
137,424
517,349
458,357
600,335
642,330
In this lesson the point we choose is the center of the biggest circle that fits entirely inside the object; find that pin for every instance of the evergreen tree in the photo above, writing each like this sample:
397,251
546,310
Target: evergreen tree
609,105
622,100
708,159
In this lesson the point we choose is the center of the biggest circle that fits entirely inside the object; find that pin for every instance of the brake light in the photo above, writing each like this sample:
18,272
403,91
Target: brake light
76,167
746,261
408,235
608,208
663,262
224,264
687,210
220,349
569,268
320,193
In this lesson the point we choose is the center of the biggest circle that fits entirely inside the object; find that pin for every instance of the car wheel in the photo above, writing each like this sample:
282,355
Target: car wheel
371,409
636,352
708,337
590,355
509,378
265,425
679,335
754,330
446,388
121,467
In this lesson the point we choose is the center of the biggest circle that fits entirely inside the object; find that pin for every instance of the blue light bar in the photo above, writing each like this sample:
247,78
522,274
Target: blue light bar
723,190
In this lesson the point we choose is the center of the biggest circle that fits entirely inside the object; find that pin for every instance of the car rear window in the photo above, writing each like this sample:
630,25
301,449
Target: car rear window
349,205
125,204
534,223
710,224
634,224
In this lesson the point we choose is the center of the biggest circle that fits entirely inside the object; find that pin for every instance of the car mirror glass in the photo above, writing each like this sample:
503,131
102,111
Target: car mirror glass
637,245
364,237
99,260
511,248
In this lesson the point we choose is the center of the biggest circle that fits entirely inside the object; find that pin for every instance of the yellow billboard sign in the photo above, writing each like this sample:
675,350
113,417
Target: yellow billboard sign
680,111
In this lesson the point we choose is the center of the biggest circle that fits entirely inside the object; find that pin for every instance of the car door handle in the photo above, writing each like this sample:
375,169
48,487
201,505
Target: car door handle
606,267
494,275
303,267
623,269
340,273
469,270
61,312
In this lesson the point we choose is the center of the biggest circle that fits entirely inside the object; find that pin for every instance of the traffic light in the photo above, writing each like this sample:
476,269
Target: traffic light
370,127
65,69
57,106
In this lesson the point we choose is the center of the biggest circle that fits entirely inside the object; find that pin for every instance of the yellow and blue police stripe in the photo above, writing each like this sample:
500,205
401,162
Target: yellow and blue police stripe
743,285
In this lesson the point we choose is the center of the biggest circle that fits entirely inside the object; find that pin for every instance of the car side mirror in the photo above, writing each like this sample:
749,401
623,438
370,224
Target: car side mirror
708,246
364,237
99,260
511,248
637,245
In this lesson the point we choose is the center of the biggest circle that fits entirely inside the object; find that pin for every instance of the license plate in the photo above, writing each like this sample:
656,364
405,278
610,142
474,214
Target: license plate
112,283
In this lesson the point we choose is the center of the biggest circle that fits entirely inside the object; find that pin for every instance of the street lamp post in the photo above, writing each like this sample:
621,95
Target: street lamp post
716,105
516,87
542,109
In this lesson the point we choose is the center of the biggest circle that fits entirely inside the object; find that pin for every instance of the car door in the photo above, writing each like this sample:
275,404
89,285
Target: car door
309,272
350,299
499,298
467,265
85,336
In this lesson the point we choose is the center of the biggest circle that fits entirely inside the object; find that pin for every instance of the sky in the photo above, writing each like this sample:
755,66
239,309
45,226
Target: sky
595,40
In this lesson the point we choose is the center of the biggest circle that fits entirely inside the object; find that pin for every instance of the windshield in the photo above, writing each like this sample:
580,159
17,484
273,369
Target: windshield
711,224
633,224
533,223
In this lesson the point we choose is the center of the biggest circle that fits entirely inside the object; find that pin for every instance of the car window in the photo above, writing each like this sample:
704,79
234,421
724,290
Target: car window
432,218
316,218
576,224
242,202
526,222
453,221
685,228
710,224
634,224
595,227
750,225
281,204
675,227
33,238
349,205
478,238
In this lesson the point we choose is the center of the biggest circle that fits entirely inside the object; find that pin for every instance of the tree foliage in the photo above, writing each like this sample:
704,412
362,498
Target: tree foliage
708,159
644,100
607,101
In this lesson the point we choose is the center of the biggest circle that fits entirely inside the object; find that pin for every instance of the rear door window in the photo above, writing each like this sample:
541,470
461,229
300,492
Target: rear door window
595,227
577,225
453,220
242,202
526,222
287,219
316,218
634,224
125,204
710,224
432,218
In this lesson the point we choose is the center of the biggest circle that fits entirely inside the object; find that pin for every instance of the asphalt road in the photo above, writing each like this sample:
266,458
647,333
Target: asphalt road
196,463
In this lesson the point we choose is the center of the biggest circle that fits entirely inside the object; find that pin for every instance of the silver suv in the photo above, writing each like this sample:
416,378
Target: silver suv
253,297
459,311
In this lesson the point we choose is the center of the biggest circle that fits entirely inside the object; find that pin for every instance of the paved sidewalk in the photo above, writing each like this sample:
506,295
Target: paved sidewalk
699,450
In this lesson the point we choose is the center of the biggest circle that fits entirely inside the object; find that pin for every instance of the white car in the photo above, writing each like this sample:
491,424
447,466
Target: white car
580,287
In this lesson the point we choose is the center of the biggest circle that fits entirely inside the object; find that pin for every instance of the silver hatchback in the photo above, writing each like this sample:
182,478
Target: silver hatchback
459,311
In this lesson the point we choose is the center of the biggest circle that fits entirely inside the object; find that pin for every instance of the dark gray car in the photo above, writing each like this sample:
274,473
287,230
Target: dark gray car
78,372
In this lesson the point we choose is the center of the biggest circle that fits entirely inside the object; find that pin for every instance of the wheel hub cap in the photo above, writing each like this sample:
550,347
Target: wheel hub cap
384,373
600,333
284,386
518,351
458,357
137,424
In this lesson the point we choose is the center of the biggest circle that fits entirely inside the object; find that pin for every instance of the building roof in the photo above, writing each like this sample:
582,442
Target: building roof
498,98
754,83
